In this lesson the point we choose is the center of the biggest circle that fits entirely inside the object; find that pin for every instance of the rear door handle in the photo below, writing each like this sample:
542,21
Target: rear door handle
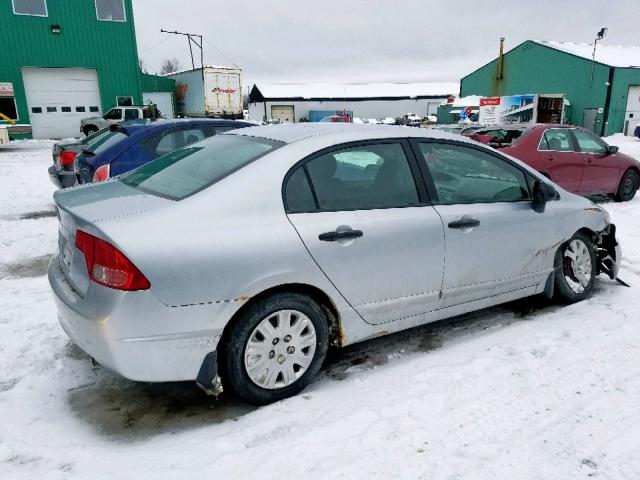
344,235
464,223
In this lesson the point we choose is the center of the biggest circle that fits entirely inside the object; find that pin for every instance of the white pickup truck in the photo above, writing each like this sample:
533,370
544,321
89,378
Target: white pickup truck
91,125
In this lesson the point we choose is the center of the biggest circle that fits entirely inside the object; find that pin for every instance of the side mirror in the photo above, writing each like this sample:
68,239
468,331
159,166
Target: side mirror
613,149
542,193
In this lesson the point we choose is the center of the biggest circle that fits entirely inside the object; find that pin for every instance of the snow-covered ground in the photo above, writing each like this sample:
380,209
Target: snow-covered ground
523,391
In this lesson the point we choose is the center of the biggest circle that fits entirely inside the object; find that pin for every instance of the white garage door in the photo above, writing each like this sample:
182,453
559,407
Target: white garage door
58,98
284,113
632,115
163,100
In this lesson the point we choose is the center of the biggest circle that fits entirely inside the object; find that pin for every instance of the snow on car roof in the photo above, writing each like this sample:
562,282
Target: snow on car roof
345,132
358,90
612,55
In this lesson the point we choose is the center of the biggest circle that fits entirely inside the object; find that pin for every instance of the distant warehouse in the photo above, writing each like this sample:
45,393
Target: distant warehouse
602,95
296,102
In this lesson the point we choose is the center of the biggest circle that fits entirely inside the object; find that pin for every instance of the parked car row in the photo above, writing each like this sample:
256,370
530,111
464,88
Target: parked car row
238,260
571,156
122,147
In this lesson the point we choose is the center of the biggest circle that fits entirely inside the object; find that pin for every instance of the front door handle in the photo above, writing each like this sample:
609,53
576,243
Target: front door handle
464,222
343,235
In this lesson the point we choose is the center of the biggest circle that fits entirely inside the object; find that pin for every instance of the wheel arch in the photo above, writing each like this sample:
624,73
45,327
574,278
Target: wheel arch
315,293
630,167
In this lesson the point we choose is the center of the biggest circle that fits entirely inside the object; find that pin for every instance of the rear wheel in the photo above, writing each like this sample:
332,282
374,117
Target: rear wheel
575,269
275,348
628,186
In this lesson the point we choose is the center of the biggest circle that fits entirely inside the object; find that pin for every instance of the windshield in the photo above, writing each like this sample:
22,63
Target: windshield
191,169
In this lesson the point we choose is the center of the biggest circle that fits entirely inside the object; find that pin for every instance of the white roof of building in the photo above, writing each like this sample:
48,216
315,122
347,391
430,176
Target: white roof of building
613,55
216,67
358,90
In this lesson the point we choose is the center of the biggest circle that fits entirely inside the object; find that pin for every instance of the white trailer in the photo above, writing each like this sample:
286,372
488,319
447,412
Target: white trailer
212,91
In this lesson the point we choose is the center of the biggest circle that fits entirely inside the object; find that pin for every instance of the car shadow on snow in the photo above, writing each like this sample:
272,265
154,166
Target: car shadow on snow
124,410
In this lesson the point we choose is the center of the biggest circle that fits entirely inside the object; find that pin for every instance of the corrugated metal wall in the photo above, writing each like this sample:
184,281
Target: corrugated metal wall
623,78
156,83
533,68
84,42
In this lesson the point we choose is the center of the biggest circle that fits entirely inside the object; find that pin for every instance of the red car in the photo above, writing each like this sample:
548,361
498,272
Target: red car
572,157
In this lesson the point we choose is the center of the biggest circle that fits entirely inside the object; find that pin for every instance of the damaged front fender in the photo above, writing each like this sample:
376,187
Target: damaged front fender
608,252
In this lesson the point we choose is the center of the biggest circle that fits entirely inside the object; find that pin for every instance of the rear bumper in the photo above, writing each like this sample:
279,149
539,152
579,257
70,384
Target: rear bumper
62,178
133,333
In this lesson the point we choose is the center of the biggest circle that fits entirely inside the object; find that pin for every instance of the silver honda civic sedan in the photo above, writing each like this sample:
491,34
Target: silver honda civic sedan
239,260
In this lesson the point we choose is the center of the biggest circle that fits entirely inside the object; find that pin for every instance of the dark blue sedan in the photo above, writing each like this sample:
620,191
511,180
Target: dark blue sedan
130,145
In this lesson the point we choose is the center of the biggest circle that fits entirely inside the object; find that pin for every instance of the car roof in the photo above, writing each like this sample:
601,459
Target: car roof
163,124
340,132
515,126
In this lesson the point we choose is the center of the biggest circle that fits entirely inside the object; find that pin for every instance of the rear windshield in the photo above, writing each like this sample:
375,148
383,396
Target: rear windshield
106,141
502,137
96,137
191,169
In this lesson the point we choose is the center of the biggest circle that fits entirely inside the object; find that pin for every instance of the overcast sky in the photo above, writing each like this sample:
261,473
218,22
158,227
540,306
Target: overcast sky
353,41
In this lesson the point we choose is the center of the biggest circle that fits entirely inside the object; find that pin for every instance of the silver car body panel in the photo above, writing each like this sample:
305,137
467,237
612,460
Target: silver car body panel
208,254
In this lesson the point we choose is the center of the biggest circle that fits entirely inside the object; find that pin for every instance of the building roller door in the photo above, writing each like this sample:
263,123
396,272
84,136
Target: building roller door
58,98
284,113
162,100
632,114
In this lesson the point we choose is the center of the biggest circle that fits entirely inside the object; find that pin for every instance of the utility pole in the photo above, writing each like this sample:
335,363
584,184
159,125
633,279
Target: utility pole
191,38
600,35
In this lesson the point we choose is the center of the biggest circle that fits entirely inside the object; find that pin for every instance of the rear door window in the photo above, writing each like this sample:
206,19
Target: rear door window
363,177
163,143
556,140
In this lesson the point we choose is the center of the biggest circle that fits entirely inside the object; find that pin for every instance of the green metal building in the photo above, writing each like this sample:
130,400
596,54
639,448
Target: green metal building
604,94
62,60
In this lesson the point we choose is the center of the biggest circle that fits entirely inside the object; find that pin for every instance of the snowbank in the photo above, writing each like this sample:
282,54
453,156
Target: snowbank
522,391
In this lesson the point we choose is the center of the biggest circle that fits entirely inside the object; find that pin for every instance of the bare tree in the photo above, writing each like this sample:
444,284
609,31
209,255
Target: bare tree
169,65
142,65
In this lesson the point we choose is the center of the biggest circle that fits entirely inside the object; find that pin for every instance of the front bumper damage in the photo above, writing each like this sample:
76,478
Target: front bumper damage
608,252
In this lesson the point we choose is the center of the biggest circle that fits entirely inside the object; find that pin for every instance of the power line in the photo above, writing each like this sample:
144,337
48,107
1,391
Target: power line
221,53
155,45
191,38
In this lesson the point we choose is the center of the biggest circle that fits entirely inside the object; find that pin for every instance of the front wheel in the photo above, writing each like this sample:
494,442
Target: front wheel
628,186
575,269
275,348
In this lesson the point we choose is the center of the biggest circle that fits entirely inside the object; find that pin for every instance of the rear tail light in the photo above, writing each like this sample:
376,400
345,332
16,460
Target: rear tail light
108,266
67,158
102,173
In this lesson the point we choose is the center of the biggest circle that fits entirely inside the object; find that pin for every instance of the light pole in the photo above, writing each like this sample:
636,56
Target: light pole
599,36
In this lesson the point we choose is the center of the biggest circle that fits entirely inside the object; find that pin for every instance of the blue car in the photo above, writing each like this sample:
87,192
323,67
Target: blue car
130,145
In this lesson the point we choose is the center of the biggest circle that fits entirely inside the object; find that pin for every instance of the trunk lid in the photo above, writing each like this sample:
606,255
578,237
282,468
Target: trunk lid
84,208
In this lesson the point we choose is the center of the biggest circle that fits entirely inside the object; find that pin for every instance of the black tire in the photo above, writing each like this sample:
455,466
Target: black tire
89,130
567,285
628,187
232,347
